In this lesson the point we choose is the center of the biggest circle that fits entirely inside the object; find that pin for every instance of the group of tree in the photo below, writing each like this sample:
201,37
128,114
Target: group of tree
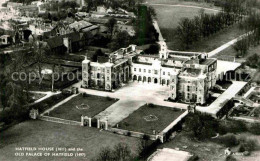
98,53
203,26
14,94
152,49
114,4
251,39
59,10
143,24
120,152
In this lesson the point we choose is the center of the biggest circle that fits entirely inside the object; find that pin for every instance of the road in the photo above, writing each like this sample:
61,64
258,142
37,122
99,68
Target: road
179,5
228,44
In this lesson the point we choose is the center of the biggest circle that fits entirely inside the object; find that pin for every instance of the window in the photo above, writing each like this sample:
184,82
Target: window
98,75
163,73
144,70
188,88
107,71
149,71
108,78
140,69
155,72
169,74
134,69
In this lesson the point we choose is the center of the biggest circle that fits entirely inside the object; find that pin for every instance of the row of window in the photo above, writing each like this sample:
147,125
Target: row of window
149,71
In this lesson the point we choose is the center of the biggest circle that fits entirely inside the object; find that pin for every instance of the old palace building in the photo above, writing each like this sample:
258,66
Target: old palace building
189,75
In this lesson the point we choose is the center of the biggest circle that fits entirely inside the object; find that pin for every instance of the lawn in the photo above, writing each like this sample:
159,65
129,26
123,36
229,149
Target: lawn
35,96
169,16
92,105
136,121
210,43
46,134
231,52
174,14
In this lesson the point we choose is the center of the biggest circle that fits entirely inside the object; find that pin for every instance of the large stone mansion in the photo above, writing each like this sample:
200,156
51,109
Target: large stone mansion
189,75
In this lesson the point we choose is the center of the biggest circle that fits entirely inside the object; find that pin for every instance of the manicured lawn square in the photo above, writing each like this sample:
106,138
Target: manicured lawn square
146,119
76,107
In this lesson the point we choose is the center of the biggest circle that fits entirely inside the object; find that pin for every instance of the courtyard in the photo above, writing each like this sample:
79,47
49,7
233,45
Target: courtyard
82,104
131,97
149,118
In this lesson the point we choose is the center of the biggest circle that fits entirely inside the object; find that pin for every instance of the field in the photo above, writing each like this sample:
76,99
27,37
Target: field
47,134
160,118
169,16
79,105
174,14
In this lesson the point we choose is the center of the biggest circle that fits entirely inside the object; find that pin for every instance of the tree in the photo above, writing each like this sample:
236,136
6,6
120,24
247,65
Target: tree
122,152
143,25
186,32
153,49
241,47
111,26
121,40
98,53
202,126
105,154
253,61
90,4
40,52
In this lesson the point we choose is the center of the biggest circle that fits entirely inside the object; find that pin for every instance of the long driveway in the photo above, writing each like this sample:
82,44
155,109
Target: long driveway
180,5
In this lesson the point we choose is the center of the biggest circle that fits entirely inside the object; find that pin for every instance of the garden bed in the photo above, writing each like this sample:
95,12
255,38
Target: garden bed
83,104
149,118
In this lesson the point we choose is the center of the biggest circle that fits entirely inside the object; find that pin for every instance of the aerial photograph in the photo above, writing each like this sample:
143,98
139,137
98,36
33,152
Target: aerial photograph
129,80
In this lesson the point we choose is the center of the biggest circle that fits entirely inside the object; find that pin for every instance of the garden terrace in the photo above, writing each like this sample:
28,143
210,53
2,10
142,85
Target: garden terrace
82,104
150,117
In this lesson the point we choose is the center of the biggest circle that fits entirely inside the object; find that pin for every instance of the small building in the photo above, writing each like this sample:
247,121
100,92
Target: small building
5,40
67,43
84,26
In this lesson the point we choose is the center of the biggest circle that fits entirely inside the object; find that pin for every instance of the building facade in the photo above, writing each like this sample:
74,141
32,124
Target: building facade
189,75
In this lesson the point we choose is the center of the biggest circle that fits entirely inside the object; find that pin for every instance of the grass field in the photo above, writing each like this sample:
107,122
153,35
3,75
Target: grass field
69,111
136,121
169,16
174,14
46,134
